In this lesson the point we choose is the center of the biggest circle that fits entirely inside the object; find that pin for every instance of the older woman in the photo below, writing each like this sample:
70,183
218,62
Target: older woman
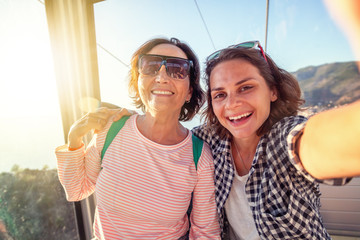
145,180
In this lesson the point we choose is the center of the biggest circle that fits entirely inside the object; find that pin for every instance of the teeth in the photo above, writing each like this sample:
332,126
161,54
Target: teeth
162,92
239,116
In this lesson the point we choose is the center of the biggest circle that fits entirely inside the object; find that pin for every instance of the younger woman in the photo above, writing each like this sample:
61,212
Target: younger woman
268,159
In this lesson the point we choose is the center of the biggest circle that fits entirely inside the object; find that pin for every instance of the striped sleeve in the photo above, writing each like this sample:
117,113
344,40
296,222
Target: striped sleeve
78,170
204,219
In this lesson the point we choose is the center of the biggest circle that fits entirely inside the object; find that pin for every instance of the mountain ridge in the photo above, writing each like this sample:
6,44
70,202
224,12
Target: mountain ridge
330,84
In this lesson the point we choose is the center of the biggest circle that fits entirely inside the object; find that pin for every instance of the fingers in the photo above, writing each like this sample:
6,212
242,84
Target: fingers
132,112
92,120
100,117
115,113
119,113
97,120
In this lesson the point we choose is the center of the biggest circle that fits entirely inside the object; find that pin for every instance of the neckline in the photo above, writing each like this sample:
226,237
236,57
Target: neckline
241,178
155,144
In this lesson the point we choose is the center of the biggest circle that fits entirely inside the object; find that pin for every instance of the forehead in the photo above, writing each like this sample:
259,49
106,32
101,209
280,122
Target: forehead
237,67
232,71
168,50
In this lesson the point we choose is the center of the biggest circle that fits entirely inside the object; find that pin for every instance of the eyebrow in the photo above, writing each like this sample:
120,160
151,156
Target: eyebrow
238,83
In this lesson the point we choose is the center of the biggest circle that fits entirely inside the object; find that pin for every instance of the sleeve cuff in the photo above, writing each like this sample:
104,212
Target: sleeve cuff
74,149
294,135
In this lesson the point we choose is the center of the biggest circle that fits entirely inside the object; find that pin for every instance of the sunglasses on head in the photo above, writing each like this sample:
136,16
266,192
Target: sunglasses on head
178,68
250,45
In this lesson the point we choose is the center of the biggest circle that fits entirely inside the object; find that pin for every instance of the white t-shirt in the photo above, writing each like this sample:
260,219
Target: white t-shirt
238,212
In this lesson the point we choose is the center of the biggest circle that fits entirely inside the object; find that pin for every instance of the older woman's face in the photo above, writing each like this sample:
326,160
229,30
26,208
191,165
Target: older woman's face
162,93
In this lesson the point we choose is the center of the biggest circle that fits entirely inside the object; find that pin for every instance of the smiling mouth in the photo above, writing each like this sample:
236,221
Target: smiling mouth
158,92
240,117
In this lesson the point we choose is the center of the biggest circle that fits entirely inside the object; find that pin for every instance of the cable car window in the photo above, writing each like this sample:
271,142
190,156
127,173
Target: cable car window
299,35
32,202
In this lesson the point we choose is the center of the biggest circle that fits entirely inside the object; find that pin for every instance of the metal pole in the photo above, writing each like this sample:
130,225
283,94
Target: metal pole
72,36
266,24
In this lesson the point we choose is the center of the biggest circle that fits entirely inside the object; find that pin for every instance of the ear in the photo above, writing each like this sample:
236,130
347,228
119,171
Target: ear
273,94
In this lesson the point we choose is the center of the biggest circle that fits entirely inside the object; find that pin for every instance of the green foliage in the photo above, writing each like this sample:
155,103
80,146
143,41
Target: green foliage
33,205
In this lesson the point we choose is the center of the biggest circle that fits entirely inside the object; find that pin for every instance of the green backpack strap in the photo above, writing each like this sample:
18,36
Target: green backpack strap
113,131
197,148
116,127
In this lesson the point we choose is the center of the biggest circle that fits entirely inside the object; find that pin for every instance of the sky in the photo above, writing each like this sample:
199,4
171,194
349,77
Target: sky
300,33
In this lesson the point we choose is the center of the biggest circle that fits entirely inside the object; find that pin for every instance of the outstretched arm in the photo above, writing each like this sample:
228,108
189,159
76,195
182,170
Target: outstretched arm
330,144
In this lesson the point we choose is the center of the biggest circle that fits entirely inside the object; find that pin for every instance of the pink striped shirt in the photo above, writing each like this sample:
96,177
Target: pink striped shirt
144,188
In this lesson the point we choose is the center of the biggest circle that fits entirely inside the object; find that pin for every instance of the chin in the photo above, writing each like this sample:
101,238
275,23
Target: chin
242,133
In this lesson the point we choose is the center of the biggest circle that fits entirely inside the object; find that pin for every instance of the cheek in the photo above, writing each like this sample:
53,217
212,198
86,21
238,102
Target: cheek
141,89
217,110
187,89
142,83
139,83
266,110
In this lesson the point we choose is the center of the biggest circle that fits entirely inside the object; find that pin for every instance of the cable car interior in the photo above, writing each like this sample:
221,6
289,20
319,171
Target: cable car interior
63,58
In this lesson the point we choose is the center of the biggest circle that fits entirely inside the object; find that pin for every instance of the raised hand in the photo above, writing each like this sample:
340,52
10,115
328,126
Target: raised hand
91,121
122,112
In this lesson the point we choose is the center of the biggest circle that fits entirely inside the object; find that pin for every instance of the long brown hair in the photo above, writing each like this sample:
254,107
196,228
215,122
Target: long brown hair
287,88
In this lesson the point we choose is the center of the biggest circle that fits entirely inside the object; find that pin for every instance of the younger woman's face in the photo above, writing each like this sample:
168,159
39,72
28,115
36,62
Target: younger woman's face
240,97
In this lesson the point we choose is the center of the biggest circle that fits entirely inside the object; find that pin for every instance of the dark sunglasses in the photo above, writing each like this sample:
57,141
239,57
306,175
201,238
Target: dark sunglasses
250,44
178,68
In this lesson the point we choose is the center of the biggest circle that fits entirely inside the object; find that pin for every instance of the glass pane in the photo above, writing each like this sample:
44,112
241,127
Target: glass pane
300,34
32,201
304,39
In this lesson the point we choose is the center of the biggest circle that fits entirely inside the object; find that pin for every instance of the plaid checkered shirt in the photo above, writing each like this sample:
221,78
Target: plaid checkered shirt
283,197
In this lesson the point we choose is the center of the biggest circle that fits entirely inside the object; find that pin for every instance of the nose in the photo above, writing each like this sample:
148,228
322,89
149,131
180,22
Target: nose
232,101
161,76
